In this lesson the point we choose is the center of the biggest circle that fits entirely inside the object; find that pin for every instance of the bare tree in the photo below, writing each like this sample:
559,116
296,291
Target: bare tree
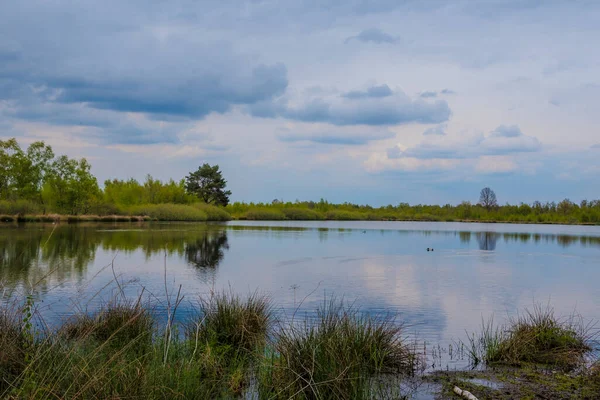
487,198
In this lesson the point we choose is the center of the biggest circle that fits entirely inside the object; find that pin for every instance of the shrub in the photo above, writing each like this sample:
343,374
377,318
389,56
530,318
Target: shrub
338,215
264,214
19,207
301,214
213,213
169,212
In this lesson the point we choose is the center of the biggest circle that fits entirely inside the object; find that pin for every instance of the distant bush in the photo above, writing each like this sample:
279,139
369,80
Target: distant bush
19,207
264,214
301,214
213,213
344,215
169,212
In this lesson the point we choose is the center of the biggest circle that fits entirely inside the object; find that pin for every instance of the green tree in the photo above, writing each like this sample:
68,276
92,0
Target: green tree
208,185
70,187
22,173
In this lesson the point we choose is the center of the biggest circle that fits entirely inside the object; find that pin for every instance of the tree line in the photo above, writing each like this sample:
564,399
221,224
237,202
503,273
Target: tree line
35,180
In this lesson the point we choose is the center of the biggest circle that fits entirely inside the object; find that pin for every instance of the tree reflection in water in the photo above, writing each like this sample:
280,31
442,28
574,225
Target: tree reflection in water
487,240
207,251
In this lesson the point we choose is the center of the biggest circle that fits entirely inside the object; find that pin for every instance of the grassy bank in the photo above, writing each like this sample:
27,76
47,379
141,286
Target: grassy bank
199,212
565,212
235,346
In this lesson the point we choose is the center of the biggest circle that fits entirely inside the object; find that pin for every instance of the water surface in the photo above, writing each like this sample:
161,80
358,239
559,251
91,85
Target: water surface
474,270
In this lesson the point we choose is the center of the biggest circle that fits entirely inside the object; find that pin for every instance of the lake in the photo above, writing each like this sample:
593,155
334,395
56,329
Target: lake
383,268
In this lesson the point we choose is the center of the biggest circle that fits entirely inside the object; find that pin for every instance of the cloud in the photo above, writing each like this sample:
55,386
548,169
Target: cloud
175,76
436,130
428,94
507,131
373,35
395,109
447,91
595,146
504,140
347,136
373,91
495,165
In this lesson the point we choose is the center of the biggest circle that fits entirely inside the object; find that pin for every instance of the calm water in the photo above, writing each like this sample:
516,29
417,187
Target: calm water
475,270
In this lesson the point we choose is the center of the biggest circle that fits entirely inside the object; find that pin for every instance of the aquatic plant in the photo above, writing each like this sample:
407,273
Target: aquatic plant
535,336
339,355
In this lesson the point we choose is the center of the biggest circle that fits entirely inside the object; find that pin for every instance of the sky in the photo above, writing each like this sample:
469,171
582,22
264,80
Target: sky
379,102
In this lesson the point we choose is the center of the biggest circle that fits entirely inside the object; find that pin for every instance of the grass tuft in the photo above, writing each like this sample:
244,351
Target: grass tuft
229,322
338,356
119,325
537,336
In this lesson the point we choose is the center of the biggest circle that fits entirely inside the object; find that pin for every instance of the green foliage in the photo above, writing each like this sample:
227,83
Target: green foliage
264,214
342,215
131,192
19,207
566,212
535,337
232,323
70,188
301,214
336,357
208,184
169,212
213,213
12,348
22,172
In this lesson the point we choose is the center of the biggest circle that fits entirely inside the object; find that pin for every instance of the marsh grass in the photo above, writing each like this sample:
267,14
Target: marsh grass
234,324
169,212
341,355
12,348
119,352
213,213
536,336
121,324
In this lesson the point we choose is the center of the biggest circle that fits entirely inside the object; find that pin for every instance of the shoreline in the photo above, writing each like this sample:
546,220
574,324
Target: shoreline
62,218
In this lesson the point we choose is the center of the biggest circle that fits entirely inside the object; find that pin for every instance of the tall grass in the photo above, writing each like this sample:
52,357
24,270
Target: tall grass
337,357
169,212
12,348
213,213
226,320
536,336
